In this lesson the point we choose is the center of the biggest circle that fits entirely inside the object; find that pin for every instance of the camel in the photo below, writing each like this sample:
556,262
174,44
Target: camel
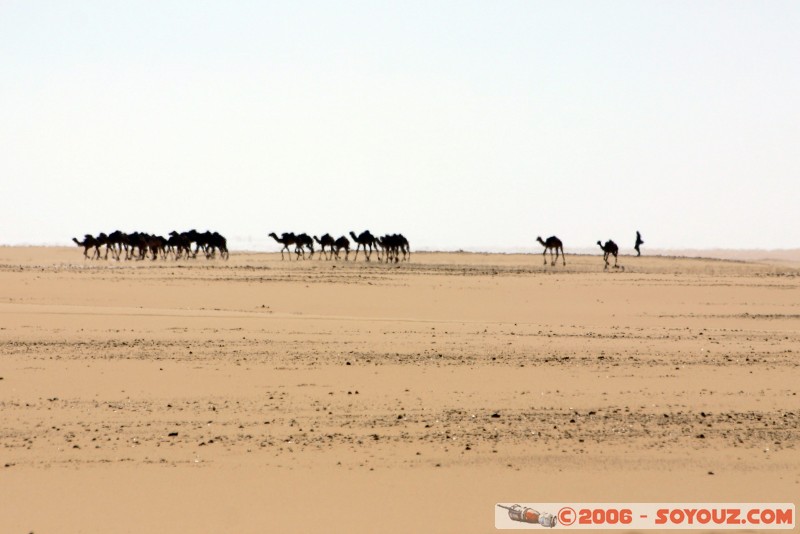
304,240
552,243
154,244
204,241
405,247
339,244
102,239
387,245
178,244
193,236
115,242
217,241
393,245
399,244
364,240
286,239
609,248
136,240
88,242
326,241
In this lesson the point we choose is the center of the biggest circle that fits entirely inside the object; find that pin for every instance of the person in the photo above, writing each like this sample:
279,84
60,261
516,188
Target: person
638,242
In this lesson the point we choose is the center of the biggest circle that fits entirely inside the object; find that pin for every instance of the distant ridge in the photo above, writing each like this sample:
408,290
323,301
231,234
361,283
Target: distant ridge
789,255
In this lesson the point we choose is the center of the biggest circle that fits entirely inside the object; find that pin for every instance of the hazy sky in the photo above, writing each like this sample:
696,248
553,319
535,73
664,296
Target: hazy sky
461,124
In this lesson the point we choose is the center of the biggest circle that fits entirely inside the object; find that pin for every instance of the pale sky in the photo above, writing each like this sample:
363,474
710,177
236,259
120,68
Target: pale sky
475,125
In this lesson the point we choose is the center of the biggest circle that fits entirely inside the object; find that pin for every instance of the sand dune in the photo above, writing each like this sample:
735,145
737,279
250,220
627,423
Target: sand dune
264,395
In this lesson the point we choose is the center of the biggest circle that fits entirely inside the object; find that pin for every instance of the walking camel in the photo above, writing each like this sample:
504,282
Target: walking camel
339,244
304,241
286,239
89,242
366,239
325,241
609,248
552,243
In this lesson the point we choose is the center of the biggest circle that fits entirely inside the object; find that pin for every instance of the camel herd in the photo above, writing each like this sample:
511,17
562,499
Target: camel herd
388,248
138,245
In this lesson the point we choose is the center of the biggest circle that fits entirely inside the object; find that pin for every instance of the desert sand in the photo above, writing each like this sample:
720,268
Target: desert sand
260,395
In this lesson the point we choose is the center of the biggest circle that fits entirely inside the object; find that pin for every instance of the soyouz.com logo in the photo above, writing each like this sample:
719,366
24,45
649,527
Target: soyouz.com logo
644,516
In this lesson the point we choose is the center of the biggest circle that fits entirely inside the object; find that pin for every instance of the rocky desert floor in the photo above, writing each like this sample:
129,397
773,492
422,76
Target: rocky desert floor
261,395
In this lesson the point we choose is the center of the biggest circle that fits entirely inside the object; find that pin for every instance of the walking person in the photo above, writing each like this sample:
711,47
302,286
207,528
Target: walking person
638,242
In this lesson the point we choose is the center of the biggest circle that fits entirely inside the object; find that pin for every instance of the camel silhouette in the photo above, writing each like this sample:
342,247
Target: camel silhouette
89,242
304,240
217,242
286,239
393,245
552,243
610,248
326,241
179,244
339,244
405,247
364,240
116,240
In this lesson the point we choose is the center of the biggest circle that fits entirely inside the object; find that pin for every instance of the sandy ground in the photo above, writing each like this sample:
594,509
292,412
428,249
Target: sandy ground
260,395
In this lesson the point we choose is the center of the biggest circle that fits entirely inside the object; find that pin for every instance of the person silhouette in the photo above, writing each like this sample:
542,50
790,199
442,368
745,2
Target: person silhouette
638,242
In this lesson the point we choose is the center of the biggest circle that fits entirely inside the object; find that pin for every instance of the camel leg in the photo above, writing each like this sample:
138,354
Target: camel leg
563,257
